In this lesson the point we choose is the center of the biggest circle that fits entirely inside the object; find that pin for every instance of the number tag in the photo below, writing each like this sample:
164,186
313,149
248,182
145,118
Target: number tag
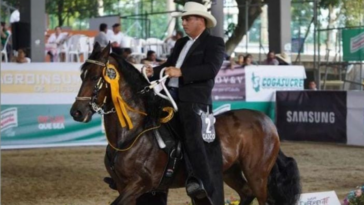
208,128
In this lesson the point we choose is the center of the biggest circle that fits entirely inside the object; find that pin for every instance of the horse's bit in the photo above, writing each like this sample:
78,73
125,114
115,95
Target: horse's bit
95,107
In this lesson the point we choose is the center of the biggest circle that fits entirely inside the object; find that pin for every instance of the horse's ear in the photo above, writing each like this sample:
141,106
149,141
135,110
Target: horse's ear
106,51
97,47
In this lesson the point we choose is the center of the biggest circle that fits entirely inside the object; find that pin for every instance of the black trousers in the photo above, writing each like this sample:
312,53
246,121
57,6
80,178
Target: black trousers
204,160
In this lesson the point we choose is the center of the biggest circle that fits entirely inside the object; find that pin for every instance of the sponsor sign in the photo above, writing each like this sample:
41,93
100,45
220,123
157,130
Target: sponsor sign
353,44
319,198
51,122
355,118
263,81
27,126
38,83
229,83
312,115
36,99
9,120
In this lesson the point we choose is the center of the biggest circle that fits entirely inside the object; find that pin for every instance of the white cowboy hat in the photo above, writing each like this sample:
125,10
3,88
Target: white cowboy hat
284,57
194,8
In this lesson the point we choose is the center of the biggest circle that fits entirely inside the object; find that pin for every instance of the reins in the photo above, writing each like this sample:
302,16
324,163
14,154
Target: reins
112,77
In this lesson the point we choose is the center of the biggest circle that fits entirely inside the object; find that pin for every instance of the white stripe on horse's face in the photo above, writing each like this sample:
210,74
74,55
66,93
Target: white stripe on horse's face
84,74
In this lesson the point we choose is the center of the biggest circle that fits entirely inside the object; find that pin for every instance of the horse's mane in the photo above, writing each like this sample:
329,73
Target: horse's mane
136,81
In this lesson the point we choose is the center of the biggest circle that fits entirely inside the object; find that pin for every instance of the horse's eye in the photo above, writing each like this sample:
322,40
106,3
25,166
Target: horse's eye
94,78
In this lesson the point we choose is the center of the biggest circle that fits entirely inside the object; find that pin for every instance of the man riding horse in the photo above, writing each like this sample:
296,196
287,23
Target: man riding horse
192,68
253,164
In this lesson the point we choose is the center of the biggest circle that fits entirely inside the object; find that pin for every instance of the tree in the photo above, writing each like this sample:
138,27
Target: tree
353,12
66,9
332,17
240,29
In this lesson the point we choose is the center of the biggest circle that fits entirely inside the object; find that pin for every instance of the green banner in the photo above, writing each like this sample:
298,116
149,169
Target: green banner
28,126
46,125
353,44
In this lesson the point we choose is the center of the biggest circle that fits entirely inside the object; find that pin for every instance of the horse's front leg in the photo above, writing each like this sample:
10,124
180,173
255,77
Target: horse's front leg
129,194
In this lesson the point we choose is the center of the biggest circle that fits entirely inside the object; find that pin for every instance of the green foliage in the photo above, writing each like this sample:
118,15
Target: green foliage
182,2
353,12
66,9
326,3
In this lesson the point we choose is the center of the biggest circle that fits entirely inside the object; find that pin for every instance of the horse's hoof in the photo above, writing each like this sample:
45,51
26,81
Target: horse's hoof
110,182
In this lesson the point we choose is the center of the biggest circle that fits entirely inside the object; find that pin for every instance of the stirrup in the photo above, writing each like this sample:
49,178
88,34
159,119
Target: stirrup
195,189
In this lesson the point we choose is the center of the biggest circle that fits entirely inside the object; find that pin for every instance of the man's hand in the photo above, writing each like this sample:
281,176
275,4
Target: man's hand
149,70
173,72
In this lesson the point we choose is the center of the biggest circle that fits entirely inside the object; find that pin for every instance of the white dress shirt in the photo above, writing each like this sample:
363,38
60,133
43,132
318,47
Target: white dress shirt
173,82
118,38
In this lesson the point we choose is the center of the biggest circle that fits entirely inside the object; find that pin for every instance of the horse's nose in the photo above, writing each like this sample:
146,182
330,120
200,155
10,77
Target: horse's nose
76,114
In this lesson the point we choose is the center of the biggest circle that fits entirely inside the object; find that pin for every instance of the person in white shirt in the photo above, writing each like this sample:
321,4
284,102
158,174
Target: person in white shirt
55,41
116,39
22,56
170,41
102,38
15,16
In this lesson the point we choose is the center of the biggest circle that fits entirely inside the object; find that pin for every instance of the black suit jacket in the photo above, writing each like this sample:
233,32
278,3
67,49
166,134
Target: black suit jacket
199,68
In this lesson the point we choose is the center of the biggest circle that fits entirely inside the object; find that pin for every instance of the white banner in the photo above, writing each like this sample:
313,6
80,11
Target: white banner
263,81
39,83
319,198
355,118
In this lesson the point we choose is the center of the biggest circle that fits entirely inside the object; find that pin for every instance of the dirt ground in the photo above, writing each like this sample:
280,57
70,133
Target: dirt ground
73,176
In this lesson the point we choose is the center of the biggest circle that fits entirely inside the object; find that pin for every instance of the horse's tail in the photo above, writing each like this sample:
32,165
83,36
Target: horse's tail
284,181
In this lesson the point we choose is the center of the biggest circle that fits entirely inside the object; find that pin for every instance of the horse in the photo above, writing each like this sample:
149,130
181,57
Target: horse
253,164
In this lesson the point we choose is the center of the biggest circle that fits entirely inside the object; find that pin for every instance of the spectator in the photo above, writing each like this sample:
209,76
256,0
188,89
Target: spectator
126,53
15,15
283,59
22,56
152,59
102,38
248,60
240,60
116,39
5,33
170,41
312,85
131,59
55,41
271,59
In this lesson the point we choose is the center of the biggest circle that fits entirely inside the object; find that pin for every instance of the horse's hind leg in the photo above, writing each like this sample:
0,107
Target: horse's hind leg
116,201
256,167
233,177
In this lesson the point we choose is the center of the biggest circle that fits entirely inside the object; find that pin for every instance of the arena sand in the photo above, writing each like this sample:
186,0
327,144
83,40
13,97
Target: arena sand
73,176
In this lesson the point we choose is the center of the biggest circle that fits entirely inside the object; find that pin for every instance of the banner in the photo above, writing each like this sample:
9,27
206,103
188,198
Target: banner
229,83
353,44
312,116
319,198
36,100
355,118
40,83
27,126
263,81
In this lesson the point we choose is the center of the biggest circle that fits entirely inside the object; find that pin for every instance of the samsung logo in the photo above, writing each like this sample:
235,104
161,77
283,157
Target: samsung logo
311,117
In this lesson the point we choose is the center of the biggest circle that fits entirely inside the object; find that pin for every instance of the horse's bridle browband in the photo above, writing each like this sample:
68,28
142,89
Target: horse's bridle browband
95,107
96,62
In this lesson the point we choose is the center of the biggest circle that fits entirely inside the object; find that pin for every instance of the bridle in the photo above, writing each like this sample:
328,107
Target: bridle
100,109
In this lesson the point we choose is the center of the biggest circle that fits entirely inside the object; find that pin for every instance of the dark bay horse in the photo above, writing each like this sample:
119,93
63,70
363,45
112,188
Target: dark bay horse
253,166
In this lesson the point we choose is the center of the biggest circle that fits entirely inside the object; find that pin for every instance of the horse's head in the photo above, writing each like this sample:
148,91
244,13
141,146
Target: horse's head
94,90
